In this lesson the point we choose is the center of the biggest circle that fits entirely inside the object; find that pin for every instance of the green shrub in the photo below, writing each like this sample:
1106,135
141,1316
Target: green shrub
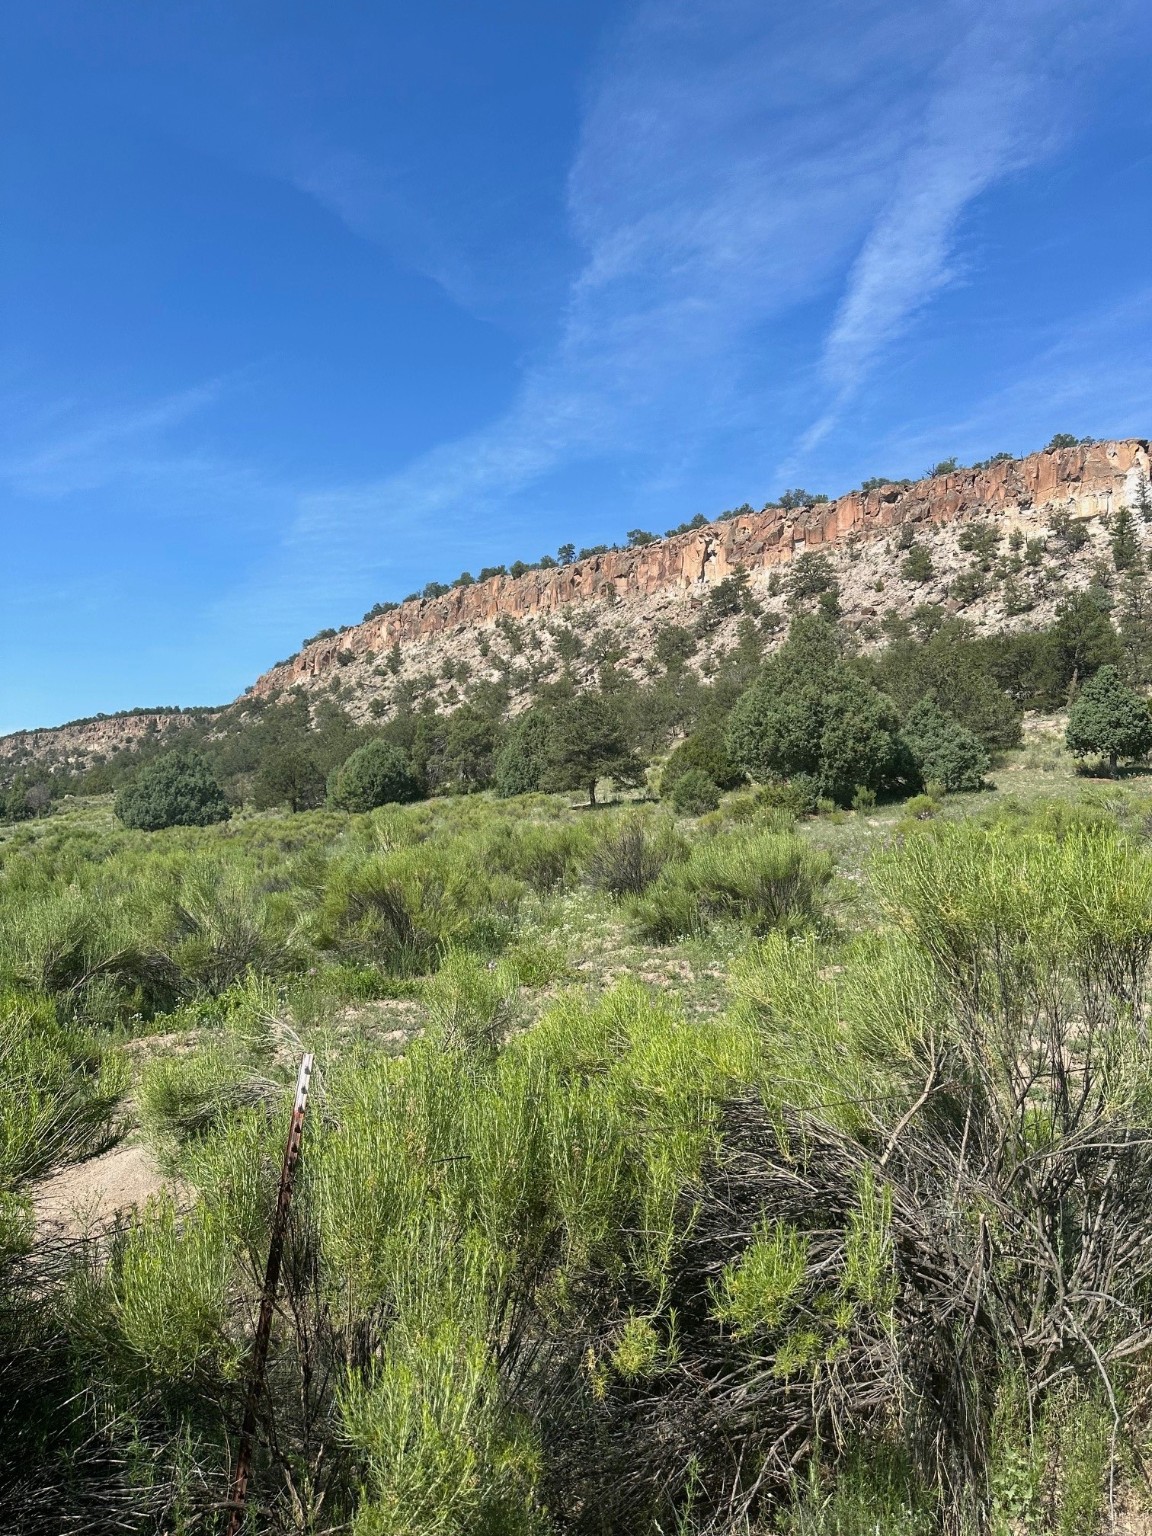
59,1091
87,952
441,1457
177,790
943,750
223,926
917,567
796,796
470,1005
870,1490
630,856
170,1285
766,879
182,1097
403,909
694,793
376,774
703,750
542,854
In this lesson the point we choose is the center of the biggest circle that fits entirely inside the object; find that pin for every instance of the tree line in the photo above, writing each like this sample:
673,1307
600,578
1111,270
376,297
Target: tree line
815,720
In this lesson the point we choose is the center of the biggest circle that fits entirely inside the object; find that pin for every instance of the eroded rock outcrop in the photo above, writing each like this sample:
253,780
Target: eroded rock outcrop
83,743
1088,480
519,631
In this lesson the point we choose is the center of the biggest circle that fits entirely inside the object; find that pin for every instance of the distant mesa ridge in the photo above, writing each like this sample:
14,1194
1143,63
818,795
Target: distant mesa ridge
1089,479
663,580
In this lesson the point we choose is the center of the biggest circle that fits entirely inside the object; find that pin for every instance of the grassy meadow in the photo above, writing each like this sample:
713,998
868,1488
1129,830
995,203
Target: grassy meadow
661,1174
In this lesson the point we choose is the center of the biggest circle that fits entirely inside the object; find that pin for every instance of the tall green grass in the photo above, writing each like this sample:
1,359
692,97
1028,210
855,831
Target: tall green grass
59,1091
765,880
871,1250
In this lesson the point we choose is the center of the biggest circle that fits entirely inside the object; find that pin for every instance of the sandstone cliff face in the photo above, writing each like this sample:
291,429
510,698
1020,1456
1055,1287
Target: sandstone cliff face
520,631
666,580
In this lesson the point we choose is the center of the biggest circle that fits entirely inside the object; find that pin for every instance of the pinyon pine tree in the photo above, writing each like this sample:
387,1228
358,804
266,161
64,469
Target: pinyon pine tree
177,790
588,743
1109,720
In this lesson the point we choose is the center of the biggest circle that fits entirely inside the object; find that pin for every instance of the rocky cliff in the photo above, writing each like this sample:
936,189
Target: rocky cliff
518,631
83,743
481,630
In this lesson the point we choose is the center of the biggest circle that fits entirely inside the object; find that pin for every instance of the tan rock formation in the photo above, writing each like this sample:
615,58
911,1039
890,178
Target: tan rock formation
1087,480
508,629
84,742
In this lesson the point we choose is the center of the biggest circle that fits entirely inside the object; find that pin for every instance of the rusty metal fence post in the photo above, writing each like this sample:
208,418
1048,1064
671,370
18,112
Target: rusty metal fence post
238,1498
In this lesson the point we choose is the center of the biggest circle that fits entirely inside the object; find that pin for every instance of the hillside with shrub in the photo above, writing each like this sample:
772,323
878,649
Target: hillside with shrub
731,1111
727,1168
1005,546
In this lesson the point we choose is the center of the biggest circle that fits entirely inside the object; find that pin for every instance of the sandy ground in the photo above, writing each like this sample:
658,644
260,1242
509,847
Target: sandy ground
86,1198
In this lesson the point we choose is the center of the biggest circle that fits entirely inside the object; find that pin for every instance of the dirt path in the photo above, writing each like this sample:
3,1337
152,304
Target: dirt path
86,1198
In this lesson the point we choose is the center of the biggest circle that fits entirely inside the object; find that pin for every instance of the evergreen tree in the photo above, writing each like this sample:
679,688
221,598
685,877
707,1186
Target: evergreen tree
811,716
1126,555
1082,640
587,743
522,759
1109,720
289,775
376,774
14,800
943,750
916,566
1134,623
176,790
471,741
956,669
812,576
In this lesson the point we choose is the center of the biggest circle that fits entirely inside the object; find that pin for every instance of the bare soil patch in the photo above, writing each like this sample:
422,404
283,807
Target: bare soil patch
87,1198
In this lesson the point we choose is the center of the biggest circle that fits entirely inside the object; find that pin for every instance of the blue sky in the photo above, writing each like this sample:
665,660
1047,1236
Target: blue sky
302,306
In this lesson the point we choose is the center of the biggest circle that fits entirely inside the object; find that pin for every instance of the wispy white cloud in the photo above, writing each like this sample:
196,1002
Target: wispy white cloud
734,162
737,164
727,163
65,449
374,202
1002,96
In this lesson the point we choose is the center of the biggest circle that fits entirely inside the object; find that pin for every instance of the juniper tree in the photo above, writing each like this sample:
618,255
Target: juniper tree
810,715
1109,720
523,757
376,774
943,750
176,790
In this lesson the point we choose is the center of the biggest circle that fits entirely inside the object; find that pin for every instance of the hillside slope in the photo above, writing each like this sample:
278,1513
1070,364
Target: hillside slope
615,604
1050,514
